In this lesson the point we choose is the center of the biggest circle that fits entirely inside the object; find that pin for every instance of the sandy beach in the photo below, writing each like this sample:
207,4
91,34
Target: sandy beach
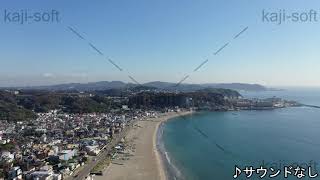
144,162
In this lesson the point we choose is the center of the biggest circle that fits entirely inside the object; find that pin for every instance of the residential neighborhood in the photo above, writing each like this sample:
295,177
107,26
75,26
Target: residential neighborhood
56,144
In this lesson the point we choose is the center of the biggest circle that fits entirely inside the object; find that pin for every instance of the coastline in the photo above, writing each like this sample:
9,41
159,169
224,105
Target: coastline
146,161
165,166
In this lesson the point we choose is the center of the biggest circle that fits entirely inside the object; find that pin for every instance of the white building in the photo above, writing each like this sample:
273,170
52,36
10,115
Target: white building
93,150
67,154
7,156
45,173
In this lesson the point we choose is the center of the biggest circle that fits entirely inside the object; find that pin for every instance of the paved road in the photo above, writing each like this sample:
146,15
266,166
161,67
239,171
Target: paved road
88,167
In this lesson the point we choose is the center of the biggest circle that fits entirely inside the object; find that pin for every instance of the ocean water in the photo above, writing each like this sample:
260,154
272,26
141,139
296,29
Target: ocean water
208,145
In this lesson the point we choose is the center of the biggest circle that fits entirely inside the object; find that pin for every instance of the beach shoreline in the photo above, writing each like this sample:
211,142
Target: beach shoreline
147,162
164,164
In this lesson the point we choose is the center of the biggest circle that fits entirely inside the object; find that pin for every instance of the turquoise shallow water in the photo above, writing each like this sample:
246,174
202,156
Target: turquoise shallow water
208,145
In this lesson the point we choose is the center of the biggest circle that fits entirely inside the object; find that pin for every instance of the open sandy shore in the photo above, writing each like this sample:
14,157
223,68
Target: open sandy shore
145,162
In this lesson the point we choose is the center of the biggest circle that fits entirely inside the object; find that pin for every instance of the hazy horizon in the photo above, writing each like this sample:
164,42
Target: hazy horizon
160,41
87,82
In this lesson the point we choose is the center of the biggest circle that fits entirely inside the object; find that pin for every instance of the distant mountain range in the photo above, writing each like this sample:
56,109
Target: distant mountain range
107,85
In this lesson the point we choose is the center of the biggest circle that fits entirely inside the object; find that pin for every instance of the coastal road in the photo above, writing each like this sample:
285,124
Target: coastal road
85,172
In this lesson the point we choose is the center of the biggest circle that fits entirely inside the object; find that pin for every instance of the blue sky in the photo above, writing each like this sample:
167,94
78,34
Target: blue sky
160,41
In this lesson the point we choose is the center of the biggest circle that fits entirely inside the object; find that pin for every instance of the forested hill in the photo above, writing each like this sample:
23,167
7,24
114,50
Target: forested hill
23,105
10,110
214,98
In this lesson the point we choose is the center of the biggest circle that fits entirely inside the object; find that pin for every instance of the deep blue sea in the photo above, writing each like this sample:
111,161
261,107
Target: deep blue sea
208,145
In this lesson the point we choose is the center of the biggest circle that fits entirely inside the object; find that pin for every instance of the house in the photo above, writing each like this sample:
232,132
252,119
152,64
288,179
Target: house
4,141
125,107
93,150
67,154
15,173
7,156
44,173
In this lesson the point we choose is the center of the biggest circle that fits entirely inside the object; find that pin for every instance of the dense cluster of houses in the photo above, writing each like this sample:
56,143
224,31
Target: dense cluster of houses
261,104
55,144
